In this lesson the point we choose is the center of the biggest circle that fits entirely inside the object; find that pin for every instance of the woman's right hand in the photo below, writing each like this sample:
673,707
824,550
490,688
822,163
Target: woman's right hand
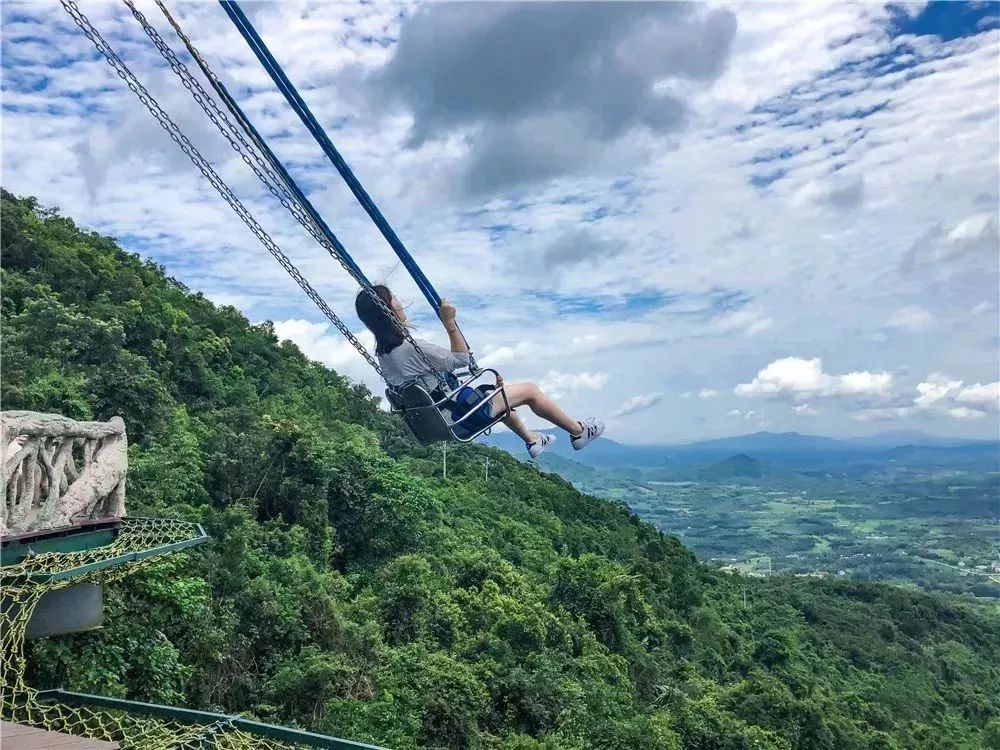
448,312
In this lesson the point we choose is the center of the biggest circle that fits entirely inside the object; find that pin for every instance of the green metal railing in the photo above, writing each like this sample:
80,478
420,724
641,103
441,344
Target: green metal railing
14,553
216,723
42,564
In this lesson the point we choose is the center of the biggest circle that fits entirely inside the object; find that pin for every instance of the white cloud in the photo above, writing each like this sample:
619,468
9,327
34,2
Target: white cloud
800,377
881,414
742,414
323,343
960,401
522,125
637,403
863,382
972,232
935,389
912,318
941,395
980,395
757,326
498,356
557,384
843,193
957,260
707,393
964,412
791,374
746,322
805,410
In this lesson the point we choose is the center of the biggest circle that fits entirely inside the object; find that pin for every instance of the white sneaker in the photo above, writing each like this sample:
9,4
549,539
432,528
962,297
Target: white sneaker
538,447
592,429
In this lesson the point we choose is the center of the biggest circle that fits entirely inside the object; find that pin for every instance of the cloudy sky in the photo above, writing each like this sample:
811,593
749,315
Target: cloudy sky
691,220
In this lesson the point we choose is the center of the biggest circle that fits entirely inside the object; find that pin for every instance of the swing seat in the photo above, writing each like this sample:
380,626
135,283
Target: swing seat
457,415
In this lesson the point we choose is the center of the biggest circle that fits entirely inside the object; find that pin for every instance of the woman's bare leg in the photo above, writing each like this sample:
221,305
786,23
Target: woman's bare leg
530,395
519,428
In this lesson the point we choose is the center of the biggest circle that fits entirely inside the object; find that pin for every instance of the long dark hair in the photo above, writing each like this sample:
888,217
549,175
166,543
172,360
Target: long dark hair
383,324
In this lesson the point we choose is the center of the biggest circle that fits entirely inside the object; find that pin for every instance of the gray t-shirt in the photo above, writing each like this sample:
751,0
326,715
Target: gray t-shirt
404,365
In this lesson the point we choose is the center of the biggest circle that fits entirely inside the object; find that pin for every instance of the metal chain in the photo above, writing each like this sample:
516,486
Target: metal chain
233,134
209,173
255,156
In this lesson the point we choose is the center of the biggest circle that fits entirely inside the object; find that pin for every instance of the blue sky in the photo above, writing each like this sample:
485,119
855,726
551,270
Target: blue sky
692,220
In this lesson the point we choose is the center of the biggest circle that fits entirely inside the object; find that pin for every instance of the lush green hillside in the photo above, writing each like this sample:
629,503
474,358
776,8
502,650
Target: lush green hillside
352,591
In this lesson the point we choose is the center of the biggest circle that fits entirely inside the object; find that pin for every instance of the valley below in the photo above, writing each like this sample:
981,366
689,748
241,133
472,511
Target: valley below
917,516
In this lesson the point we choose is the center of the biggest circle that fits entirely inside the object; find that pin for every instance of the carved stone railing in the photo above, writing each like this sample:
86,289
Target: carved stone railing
57,471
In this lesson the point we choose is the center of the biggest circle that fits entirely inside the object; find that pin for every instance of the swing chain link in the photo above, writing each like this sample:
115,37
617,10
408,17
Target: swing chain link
171,128
260,164
218,118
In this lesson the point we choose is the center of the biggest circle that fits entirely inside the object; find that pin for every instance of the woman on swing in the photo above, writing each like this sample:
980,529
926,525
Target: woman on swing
402,364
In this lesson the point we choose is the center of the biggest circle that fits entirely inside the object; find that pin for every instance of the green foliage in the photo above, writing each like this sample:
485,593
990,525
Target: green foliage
350,590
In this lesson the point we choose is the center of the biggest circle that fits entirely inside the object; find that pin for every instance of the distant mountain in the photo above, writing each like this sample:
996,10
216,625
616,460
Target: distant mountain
765,441
952,454
896,438
788,450
607,452
604,452
735,467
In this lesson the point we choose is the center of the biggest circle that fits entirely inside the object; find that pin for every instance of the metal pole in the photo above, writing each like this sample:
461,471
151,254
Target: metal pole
487,468
444,461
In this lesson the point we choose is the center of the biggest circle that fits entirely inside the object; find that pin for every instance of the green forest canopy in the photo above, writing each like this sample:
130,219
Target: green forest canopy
351,590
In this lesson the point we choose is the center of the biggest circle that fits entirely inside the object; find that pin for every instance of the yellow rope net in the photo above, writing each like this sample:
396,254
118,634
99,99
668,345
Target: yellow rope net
23,585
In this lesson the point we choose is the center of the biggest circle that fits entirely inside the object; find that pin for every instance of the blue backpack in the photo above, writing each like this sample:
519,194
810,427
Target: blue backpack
465,401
